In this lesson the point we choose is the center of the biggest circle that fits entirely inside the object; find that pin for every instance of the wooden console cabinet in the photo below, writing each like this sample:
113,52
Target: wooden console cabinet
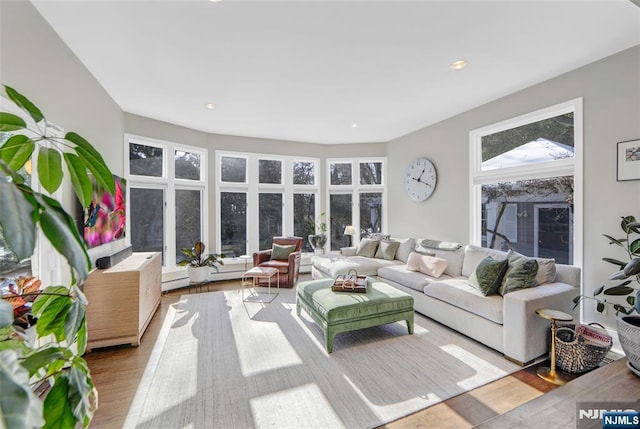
122,300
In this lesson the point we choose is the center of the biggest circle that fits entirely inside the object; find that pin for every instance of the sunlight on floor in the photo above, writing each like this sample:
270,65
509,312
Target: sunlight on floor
404,407
484,370
300,407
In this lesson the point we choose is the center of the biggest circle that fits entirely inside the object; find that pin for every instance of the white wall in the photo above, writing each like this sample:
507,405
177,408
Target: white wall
611,92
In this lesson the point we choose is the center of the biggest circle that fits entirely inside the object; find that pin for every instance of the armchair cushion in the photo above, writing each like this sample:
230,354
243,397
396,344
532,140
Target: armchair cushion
281,252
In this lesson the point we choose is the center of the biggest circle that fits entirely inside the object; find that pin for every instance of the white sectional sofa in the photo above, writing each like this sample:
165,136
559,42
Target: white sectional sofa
508,324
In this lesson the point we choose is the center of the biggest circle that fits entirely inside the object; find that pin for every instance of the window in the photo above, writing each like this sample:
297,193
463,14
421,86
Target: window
168,198
526,181
360,204
262,196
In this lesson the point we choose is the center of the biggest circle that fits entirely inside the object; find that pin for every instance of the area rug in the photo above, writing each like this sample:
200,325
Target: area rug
220,362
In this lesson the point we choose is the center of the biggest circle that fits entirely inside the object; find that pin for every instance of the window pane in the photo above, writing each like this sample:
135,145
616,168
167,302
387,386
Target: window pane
145,160
188,220
340,173
147,220
270,171
233,223
533,217
187,165
233,169
543,141
304,173
370,212
370,173
340,206
270,219
304,212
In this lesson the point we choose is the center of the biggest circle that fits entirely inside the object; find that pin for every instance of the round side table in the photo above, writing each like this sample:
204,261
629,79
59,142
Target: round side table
550,374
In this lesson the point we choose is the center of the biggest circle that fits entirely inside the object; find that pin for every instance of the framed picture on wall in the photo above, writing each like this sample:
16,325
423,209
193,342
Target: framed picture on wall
629,160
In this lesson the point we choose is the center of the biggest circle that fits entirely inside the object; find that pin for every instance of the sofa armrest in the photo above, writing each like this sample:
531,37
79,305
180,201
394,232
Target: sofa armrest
261,256
348,251
526,334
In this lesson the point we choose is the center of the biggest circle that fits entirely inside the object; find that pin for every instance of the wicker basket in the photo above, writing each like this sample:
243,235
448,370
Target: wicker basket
574,354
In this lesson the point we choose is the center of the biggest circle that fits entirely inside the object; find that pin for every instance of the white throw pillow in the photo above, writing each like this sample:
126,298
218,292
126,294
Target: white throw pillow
405,248
429,265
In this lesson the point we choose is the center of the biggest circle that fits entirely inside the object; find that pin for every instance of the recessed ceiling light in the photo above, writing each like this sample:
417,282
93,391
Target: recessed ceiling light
457,65
209,106
354,125
215,1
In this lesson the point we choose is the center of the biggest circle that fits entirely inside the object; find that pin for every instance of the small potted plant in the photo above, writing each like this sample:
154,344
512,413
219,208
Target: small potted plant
199,263
319,239
628,280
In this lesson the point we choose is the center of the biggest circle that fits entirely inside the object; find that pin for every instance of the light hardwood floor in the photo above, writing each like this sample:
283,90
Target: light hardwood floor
117,371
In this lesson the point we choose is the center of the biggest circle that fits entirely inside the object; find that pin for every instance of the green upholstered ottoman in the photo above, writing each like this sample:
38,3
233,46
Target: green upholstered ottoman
337,312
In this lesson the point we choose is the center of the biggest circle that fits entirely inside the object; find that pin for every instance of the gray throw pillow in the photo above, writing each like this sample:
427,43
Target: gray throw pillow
387,250
488,275
367,247
520,274
282,252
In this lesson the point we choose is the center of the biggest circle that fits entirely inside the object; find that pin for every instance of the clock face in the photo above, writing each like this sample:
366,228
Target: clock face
420,179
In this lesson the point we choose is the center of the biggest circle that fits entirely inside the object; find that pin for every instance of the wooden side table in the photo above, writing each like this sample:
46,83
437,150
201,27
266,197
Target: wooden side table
550,374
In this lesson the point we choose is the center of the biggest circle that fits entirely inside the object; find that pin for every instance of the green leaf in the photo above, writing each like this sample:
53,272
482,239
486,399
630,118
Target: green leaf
11,122
46,296
19,406
50,169
618,290
620,309
81,391
634,247
79,178
59,229
42,358
600,307
94,162
52,320
621,264
82,338
74,319
57,410
26,105
18,226
634,226
637,302
16,151
598,291
624,224
632,268
617,241
631,300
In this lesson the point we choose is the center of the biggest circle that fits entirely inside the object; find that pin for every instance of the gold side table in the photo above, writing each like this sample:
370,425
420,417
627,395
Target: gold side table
550,374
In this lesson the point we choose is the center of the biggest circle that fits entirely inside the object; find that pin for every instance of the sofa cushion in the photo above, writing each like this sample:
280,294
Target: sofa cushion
474,254
406,247
520,274
459,293
279,252
278,264
426,264
487,277
333,265
387,249
367,247
411,279
454,258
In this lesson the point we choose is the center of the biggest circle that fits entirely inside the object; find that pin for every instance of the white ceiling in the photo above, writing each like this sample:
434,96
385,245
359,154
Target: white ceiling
307,70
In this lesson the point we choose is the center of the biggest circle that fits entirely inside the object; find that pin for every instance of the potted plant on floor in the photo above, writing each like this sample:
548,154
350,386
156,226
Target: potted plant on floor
319,239
628,278
199,263
53,360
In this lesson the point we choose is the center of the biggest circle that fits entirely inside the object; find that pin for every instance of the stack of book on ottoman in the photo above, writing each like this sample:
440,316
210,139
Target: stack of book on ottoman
351,282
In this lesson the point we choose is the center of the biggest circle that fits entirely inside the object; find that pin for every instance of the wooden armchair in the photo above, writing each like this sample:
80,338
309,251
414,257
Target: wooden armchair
289,268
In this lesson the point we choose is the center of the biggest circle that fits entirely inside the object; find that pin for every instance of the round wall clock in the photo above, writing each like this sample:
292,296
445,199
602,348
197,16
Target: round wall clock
420,179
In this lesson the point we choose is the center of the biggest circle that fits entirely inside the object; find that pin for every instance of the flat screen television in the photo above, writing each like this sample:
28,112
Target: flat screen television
104,220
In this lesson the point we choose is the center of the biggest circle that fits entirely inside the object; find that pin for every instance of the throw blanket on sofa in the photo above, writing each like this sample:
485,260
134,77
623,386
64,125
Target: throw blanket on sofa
441,245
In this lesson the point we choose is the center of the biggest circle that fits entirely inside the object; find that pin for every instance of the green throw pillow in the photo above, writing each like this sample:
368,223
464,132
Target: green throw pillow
282,252
520,274
488,275
367,247
387,250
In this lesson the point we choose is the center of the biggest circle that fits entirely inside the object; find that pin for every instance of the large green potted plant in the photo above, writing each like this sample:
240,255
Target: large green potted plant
199,263
53,362
627,278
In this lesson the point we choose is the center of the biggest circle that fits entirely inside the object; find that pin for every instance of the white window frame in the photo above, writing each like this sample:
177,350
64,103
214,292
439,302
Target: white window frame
169,183
562,167
253,189
355,189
